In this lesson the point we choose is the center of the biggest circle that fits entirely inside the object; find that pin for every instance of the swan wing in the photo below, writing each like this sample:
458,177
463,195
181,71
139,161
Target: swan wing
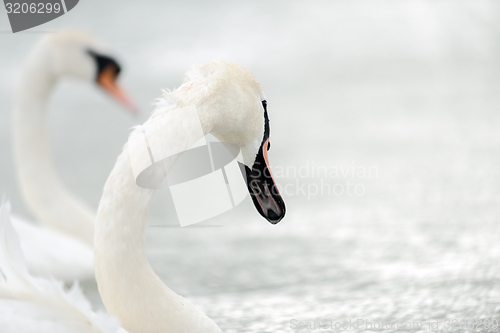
50,253
29,304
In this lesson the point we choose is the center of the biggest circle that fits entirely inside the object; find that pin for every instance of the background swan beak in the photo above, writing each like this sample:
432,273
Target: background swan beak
263,189
107,80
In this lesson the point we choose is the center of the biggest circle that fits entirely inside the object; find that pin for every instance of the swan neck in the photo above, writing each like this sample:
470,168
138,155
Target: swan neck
129,287
44,193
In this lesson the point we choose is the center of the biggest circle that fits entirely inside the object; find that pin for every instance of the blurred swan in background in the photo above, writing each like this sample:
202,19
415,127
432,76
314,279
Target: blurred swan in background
61,244
230,105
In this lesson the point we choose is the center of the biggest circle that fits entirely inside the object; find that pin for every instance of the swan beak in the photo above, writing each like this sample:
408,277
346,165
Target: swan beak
107,80
263,189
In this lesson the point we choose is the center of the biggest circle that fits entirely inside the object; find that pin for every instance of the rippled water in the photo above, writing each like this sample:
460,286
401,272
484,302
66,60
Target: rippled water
406,91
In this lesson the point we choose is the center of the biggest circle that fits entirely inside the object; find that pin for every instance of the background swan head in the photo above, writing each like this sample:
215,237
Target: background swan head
232,106
83,56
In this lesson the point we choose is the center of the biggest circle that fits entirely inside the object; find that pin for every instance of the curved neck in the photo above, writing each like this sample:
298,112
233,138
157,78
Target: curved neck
44,193
129,288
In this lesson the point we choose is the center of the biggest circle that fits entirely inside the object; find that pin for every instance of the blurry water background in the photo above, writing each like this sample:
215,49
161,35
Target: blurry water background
398,100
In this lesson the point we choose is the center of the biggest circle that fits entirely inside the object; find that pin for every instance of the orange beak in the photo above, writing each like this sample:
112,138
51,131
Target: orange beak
107,80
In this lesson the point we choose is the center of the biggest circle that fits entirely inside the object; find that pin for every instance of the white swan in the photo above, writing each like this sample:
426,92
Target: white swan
230,105
61,244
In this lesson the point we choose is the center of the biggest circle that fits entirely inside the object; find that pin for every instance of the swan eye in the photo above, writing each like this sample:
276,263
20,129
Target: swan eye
268,145
103,61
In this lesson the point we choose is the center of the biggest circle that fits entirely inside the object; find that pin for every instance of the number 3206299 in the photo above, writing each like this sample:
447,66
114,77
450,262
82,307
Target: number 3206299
38,8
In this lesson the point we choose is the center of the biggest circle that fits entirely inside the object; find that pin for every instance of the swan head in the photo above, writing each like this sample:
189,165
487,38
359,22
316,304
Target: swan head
232,101
84,56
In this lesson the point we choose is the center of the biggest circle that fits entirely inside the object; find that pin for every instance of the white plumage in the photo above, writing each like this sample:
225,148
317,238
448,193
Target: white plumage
51,253
29,304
